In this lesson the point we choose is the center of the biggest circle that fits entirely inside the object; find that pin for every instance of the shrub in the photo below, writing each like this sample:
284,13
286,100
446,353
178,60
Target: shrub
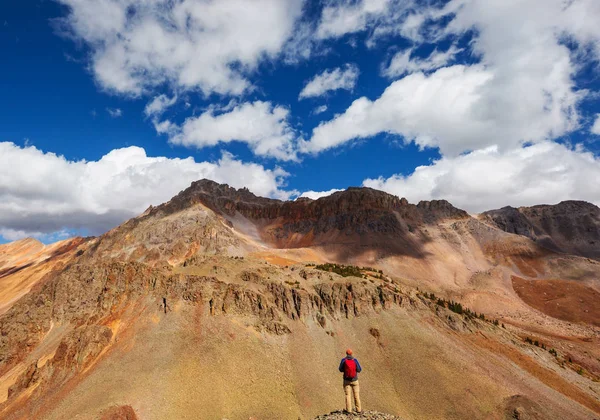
455,307
342,270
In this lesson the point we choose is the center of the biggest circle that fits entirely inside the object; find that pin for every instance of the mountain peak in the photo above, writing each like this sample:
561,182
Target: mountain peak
228,200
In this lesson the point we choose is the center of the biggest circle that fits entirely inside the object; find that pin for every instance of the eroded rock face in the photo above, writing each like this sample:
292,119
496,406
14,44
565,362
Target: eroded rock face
570,226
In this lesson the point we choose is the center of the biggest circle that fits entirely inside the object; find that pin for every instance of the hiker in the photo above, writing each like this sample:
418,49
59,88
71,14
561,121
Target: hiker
350,367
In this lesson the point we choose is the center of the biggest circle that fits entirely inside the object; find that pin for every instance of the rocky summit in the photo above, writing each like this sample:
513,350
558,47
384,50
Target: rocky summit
221,304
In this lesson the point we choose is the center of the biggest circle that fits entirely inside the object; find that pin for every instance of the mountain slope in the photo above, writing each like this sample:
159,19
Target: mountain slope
211,306
23,263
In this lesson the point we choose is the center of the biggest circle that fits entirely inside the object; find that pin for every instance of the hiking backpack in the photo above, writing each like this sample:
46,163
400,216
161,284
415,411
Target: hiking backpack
349,369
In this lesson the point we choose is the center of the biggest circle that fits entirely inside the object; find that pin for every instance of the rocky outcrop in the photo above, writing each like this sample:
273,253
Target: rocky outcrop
571,226
520,407
28,378
77,351
122,412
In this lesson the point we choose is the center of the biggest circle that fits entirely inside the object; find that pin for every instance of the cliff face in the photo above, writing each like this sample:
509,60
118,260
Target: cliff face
356,201
571,227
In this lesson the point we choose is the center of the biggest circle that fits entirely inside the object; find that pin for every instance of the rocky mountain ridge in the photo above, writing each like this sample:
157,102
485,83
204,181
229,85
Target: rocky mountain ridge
571,227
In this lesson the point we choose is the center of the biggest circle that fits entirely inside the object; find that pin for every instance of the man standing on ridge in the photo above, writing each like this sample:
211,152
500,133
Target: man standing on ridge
350,367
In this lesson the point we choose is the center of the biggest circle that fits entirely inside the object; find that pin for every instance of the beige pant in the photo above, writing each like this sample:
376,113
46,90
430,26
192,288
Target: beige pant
352,388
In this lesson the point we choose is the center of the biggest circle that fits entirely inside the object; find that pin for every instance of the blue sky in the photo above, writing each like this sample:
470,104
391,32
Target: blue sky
109,106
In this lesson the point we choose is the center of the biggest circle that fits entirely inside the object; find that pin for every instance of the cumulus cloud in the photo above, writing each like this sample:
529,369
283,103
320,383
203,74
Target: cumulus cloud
438,110
402,62
596,127
522,90
486,179
41,192
338,78
259,124
115,112
191,44
314,195
158,105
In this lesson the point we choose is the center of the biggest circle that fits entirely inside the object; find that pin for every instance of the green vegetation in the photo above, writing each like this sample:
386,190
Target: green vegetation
459,309
553,352
538,344
342,270
348,270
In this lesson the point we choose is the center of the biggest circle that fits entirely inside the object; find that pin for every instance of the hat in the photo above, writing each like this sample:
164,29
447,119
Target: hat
349,352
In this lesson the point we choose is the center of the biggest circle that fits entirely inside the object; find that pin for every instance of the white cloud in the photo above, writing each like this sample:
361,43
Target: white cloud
314,195
521,91
320,109
191,44
381,18
15,235
596,127
338,78
486,179
339,18
402,62
158,105
42,192
261,125
115,112
439,110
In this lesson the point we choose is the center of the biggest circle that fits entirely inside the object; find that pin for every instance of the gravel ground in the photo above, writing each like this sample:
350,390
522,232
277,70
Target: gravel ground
365,415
